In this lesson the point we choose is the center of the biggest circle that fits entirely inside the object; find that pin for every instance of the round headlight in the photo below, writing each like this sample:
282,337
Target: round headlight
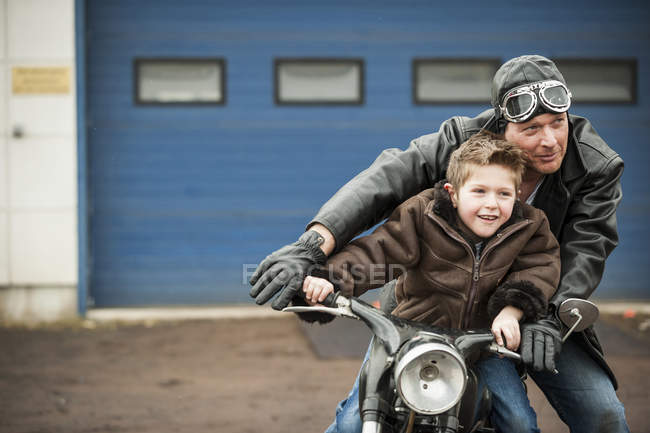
430,377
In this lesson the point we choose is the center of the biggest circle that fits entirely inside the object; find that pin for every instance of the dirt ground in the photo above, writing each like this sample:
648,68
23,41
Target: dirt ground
210,376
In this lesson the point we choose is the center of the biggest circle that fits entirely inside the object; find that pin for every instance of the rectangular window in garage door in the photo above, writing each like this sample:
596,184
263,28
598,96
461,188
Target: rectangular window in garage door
319,81
600,81
453,80
161,81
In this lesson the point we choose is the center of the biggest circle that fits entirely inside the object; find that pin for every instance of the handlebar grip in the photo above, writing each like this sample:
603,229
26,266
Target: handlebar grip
330,300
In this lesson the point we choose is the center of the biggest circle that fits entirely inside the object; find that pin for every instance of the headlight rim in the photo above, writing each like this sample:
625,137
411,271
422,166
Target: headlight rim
411,354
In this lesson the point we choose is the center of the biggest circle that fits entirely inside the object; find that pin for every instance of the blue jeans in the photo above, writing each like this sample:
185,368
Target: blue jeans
581,393
511,410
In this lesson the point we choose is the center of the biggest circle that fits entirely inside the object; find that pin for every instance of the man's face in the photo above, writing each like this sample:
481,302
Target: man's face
486,199
544,139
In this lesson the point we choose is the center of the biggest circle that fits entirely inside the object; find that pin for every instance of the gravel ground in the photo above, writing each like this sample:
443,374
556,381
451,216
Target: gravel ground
246,375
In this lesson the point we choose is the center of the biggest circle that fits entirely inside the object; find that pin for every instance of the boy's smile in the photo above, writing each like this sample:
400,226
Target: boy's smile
486,199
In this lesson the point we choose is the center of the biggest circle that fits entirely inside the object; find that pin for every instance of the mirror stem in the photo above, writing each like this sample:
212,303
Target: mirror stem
574,313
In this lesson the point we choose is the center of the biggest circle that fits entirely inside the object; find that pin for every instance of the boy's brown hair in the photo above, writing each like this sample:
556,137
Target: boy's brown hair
485,148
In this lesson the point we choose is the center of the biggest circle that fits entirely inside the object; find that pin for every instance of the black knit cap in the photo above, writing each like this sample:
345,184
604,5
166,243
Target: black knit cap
522,70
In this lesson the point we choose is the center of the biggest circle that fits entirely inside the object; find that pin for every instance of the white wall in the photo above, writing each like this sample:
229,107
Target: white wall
38,171
4,167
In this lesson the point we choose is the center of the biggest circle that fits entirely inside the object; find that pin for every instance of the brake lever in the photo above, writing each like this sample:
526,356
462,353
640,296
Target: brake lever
342,308
495,348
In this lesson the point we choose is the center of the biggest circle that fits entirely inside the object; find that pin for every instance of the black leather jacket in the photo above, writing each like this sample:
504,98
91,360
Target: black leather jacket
580,199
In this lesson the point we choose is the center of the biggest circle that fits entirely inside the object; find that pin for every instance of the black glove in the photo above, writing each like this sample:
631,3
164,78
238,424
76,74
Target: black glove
287,268
541,342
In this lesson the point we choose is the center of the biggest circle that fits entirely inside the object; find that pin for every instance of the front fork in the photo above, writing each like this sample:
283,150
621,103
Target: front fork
375,392
372,427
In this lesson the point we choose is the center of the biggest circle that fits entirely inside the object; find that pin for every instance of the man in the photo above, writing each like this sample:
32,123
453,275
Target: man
572,175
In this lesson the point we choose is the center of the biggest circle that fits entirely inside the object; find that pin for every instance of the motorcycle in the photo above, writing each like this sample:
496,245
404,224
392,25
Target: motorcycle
420,378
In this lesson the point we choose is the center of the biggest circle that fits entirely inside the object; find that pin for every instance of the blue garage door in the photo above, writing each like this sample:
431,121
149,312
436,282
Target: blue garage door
185,198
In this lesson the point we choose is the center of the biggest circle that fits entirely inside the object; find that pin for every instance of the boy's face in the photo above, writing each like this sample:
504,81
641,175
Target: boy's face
486,199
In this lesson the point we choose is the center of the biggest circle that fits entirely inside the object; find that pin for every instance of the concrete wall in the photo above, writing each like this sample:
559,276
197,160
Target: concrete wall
38,171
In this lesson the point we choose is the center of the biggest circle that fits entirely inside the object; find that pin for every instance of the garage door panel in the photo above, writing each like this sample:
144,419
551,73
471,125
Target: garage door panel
181,198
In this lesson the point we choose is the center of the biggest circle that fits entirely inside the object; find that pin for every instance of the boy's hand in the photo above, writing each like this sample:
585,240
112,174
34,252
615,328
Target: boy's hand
316,289
506,324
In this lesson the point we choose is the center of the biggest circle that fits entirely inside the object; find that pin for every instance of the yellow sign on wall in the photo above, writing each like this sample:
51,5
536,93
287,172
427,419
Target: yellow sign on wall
40,80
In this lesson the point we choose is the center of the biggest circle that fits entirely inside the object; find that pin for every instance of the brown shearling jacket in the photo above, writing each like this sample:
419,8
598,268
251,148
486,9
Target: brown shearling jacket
440,279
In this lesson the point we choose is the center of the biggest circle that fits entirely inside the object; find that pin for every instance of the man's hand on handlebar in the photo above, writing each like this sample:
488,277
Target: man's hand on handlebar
284,270
541,342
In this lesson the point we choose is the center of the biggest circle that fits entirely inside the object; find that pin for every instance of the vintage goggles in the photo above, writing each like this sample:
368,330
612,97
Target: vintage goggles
521,103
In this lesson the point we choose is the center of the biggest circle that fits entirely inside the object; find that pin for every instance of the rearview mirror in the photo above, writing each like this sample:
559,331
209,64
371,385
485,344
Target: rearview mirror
578,314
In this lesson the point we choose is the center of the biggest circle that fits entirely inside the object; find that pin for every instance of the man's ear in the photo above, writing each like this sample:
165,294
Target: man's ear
452,194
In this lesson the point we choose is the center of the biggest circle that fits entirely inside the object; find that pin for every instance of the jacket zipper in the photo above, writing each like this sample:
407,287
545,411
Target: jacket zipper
472,292
500,238
477,263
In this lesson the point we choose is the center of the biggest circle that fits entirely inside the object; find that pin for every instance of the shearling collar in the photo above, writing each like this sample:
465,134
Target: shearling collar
443,207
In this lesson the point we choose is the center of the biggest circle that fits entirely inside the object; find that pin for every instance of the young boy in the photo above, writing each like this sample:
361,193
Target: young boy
470,255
